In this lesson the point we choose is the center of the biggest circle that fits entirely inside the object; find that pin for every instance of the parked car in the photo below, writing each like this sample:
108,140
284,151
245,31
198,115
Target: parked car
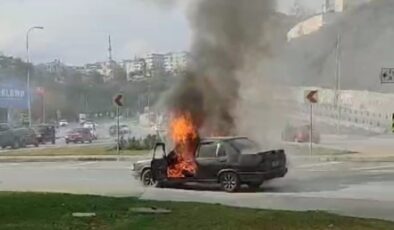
229,161
63,123
81,135
13,137
28,136
123,130
92,127
45,133
300,134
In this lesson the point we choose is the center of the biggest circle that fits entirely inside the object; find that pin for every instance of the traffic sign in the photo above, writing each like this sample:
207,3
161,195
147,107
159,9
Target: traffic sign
387,75
312,96
118,100
392,124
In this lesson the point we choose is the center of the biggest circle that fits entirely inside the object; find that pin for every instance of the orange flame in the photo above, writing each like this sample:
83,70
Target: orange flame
185,136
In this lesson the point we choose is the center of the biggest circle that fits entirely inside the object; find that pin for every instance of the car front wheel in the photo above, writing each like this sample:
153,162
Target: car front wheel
147,179
16,144
229,181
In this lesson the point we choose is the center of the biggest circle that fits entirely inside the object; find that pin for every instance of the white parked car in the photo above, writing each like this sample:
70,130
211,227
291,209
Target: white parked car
63,123
92,127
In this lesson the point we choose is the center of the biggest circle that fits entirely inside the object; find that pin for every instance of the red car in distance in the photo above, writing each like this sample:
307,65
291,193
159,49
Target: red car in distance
300,134
79,135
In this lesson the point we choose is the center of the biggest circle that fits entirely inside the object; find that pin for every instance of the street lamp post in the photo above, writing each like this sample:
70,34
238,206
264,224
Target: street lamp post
338,81
28,69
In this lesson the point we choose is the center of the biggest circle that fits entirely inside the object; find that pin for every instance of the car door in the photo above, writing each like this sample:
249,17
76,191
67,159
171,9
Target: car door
211,158
6,137
159,162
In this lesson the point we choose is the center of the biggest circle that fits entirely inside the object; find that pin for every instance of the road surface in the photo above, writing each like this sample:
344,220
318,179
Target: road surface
351,188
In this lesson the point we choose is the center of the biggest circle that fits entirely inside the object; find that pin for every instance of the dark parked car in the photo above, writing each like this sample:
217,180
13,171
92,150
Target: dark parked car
230,161
300,134
28,137
46,133
16,137
81,135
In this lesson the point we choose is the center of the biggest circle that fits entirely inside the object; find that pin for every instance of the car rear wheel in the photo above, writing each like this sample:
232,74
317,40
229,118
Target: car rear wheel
22,143
229,181
147,179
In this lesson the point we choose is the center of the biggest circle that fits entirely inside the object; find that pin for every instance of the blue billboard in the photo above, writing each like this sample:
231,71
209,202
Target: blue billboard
13,96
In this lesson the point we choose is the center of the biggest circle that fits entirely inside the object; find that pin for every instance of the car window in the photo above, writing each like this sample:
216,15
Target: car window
159,152
207,150
220,150
243,144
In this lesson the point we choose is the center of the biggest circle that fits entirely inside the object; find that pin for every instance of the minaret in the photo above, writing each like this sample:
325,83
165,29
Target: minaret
109,49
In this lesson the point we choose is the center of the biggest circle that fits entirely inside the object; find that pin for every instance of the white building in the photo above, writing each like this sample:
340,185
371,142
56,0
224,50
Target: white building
154,62
55,67
135,69
103,68
313,7
176,61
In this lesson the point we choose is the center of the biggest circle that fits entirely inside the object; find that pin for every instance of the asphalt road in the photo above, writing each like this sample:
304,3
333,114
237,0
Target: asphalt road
360,143
351,188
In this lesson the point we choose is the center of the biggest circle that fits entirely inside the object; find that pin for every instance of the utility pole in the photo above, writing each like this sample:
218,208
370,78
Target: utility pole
28,70
338,81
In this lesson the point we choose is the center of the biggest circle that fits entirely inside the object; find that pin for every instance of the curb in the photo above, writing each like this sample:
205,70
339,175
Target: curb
355,157
358,158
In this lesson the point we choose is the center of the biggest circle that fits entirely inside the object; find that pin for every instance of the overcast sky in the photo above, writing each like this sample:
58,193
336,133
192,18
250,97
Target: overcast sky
76,31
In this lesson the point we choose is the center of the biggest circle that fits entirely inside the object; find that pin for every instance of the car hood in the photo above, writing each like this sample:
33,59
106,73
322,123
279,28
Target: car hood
141,164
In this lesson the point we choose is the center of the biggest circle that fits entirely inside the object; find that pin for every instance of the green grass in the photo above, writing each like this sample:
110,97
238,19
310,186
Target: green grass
26,211
72,151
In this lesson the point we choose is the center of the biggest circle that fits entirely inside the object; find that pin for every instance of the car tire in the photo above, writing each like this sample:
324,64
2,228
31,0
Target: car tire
22,143
36,144
90,141
146,178
53,142
229,181
16,144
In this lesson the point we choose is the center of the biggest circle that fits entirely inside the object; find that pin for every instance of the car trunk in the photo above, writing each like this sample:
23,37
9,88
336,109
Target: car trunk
263,161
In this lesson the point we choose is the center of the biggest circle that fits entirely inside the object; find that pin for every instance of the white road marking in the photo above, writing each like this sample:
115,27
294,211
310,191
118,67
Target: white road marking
381,171
6,165
374,167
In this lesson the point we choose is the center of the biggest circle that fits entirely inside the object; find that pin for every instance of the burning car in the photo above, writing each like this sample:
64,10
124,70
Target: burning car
229,161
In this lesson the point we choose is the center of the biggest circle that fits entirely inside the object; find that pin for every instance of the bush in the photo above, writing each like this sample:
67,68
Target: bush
133,143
